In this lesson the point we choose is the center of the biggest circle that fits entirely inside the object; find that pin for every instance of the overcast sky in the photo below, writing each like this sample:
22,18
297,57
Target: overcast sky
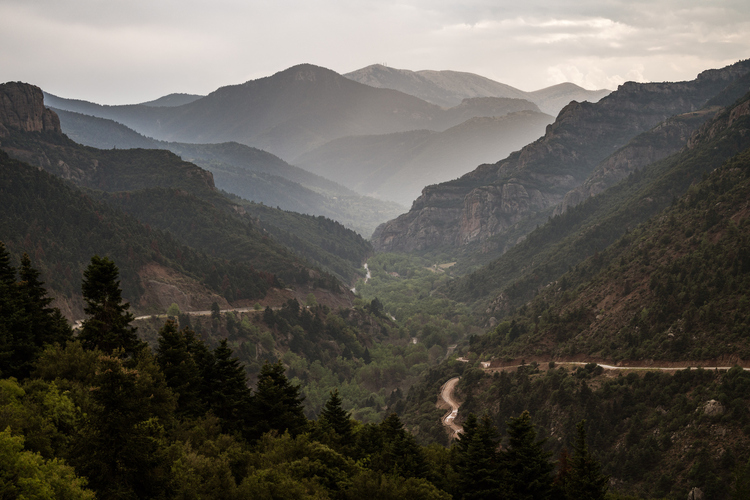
126,51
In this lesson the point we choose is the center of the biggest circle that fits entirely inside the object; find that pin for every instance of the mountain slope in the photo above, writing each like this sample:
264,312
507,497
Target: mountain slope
149,182
61,228
398,166
172,100
247,172
566,240
286,114
507,200
449,88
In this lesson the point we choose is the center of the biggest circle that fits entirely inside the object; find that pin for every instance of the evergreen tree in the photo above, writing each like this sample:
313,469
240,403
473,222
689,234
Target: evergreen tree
9,312
121,448
47,324
181,371
586,482
228,395
27,323
400,455
277,404
334,416
108,326
527,463
476,460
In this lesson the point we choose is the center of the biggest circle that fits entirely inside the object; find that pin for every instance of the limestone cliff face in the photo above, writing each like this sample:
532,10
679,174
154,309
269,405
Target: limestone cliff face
489,201
665,139
22,107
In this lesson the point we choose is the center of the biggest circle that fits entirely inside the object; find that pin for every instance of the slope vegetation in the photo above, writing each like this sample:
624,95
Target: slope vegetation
247,172
510,198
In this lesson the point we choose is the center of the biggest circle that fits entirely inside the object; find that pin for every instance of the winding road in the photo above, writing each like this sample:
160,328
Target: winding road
446,392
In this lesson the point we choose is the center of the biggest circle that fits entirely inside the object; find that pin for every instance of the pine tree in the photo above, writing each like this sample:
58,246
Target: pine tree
9,311
47,323
527,463
108,325
180,369
334,416
228,395
27,323
401,455
585,482
476,460
277,404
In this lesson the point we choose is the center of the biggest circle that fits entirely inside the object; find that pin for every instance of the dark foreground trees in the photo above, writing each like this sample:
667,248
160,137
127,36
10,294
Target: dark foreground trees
108,326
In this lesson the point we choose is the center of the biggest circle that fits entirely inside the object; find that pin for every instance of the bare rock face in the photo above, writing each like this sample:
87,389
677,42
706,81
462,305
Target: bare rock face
713,408
695,494
663,140
489,201
22,107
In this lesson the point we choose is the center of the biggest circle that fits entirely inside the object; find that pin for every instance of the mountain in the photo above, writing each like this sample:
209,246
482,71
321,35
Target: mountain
287,114
165,192
398,166
499,204
568,239
172,100
449,88
247,172
670,288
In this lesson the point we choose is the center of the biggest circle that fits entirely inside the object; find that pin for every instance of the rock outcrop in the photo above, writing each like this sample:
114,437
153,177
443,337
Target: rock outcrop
22,107
500,201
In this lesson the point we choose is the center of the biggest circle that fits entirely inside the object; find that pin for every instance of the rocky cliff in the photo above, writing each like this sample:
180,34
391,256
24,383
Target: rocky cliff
508,197
663,140
22,107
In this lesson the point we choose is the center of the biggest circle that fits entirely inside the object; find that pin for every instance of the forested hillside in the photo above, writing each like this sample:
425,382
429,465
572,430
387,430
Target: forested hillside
189,205
249,173
567,239
61,228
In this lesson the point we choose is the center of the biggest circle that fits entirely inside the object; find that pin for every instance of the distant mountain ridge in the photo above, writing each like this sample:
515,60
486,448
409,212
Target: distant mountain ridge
287,114
398,166
247,172
172,100
449,88
505,201
174,198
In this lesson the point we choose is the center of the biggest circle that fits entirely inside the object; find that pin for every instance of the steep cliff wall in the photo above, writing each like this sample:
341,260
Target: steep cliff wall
22,107
493,199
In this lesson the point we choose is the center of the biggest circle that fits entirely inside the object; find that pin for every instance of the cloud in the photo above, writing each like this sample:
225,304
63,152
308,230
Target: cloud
133,50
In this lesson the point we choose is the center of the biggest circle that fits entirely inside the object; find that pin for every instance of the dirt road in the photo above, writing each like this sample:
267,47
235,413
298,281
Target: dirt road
446,392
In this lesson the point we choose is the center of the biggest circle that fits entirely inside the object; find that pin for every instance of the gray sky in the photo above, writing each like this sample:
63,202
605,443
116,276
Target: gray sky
125,51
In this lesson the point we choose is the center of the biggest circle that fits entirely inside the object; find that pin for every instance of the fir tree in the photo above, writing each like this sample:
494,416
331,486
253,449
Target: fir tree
180,369
228,395
27,323
277,404
401,455
527,463
334,416
586,482
108,325
476,461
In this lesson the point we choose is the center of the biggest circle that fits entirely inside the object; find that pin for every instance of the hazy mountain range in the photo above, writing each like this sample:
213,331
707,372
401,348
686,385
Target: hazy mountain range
449,88
247,172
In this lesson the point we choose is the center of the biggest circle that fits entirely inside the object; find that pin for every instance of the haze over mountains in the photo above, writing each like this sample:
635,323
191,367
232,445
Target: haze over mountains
617,237
247,172
449,88
376,141
494,206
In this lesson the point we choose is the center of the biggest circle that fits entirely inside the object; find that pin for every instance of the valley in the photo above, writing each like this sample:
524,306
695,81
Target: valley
194,277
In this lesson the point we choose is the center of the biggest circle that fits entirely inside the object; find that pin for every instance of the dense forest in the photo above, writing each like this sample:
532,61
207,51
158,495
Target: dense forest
101,414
